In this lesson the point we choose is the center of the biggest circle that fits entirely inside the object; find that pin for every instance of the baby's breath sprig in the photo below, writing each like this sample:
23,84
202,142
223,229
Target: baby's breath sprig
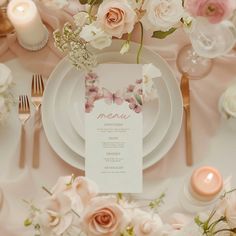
68,41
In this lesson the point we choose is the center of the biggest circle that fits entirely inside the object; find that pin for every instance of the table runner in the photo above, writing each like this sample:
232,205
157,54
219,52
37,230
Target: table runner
26,184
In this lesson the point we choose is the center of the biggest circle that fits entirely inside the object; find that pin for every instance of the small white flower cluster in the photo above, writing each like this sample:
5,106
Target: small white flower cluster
6,98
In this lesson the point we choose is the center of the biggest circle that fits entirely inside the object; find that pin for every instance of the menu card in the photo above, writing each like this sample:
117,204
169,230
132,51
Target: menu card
113,124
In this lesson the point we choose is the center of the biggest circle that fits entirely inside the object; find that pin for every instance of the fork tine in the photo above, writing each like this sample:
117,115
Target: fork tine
24,103
38,81
32,85
27,103
20,103
42,84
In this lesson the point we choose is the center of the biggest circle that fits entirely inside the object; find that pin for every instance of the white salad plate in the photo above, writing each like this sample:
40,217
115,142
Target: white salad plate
62,73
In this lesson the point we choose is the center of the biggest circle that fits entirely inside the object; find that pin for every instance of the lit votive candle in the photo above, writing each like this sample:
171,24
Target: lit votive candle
31,32
206,183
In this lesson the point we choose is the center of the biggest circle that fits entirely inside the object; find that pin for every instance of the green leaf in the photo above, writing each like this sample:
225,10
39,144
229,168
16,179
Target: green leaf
198,221
163,34
83,2
157,202
27,222
138,99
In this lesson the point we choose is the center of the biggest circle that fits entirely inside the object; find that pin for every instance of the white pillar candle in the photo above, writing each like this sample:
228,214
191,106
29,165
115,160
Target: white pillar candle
31,33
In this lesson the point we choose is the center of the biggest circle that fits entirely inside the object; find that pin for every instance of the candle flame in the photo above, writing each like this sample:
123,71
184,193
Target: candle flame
20,8
209,178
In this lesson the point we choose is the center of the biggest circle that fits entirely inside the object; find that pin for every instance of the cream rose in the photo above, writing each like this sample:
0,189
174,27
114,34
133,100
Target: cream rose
162,14
57,216
80,190
146,224
103,217
95,36
116,17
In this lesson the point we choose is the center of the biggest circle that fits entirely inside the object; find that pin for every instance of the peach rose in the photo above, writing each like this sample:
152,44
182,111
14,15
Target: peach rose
214,10
116,17
103,217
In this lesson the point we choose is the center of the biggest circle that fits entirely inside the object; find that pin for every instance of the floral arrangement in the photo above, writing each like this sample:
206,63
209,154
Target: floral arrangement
73,207
6,98
103,20
135,94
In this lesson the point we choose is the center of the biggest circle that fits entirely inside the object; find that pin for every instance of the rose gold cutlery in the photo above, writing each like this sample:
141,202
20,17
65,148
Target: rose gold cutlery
37,90
184,86
24,115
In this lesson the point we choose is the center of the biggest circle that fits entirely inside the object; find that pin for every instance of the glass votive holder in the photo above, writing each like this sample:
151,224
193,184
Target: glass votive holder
201,190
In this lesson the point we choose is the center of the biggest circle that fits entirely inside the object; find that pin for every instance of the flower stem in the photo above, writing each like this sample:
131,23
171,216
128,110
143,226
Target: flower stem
141,44
90,11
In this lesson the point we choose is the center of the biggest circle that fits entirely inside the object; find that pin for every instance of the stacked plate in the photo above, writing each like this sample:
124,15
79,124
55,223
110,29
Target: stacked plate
63,108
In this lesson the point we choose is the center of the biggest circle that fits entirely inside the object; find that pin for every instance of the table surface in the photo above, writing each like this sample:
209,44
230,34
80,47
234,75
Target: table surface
214,144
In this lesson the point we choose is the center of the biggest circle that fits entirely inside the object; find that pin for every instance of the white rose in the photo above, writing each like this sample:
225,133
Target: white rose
146,224
229,101
81,18
95,36
162,14
149,73
5,78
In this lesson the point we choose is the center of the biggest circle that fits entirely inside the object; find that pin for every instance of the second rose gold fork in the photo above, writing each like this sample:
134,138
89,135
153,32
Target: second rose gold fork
37,90
24,115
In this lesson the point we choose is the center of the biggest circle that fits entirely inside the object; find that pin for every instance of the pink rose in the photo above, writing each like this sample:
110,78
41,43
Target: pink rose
116,17
103,217
146,224
214,10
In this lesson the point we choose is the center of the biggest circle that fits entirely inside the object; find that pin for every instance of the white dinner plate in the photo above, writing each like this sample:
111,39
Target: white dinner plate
147,57
76,112
75,142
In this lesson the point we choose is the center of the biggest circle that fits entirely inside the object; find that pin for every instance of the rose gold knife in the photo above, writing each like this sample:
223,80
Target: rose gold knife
184,86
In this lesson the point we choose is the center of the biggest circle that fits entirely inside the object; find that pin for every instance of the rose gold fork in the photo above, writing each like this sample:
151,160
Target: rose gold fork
184,86
37,90
24,115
